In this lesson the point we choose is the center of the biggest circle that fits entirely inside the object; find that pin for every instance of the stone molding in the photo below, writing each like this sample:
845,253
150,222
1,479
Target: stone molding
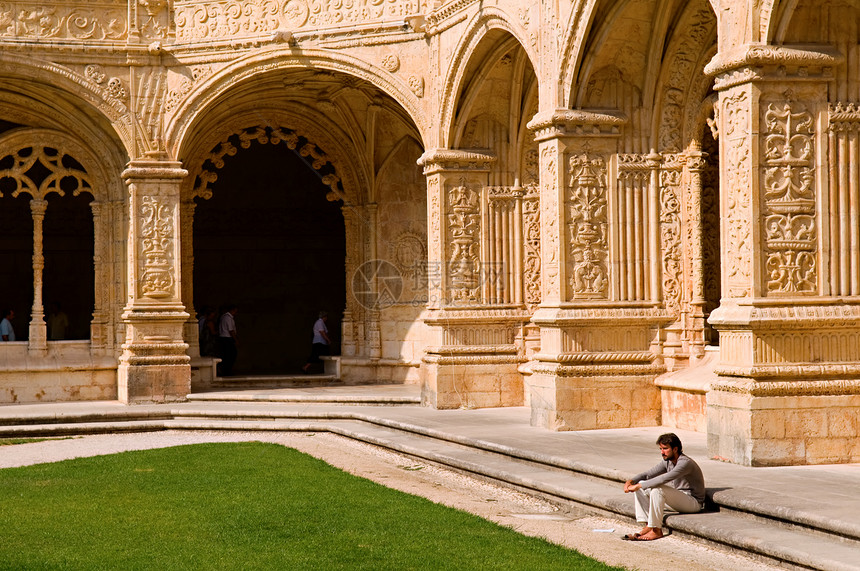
604,314
475,315
753,388
471,349
596,370
783,316
467,359
587,357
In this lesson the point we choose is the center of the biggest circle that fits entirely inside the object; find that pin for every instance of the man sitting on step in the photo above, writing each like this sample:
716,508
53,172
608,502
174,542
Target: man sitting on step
676,483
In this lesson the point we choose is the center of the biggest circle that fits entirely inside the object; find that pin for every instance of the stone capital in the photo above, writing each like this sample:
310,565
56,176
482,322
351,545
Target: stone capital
457,160
759,62
576,123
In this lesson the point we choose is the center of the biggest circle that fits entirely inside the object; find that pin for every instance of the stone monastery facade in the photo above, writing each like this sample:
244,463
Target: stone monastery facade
618,213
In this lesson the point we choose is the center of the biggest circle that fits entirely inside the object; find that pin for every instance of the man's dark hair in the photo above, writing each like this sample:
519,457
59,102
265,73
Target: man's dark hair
6,313
671,440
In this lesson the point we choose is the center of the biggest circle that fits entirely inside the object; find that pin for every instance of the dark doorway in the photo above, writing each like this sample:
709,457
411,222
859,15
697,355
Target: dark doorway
269,241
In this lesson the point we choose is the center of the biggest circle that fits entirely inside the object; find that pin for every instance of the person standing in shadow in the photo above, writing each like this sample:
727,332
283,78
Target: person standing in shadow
6,330
321,342
228,341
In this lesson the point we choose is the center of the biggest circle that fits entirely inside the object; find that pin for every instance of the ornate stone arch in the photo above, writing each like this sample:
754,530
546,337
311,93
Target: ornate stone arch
313,137
486,20
572,43
684,60
50,147
81,91
218,85
322,141
66,165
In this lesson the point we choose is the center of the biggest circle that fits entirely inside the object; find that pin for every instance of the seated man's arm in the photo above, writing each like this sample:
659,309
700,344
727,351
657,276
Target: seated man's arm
635,482
681,469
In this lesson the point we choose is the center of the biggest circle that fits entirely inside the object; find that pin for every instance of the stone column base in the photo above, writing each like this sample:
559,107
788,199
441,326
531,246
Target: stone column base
775,423
154,366
562,401
471,381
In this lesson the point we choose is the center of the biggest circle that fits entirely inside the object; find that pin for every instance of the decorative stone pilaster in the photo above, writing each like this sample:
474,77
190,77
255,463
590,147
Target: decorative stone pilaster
100,341
471,358
352,315
600,308
191,330
38,343
696,164
154,365
789,373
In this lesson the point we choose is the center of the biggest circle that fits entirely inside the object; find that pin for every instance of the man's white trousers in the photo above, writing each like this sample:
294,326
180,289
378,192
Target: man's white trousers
650,504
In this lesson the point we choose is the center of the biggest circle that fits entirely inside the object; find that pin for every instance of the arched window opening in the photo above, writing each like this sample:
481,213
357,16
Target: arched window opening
69,275
48,193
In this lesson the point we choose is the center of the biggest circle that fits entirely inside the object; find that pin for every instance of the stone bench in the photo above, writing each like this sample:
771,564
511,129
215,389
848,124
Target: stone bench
331,365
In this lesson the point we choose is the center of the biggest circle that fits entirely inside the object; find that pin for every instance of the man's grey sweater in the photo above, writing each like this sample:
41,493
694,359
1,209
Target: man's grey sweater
685,475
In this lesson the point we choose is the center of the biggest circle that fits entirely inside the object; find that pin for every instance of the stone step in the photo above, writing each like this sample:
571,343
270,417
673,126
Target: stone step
273,381
367,395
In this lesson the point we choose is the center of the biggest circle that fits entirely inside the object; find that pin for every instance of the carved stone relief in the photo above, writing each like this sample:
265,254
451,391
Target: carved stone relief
99,20
670,232
788,178
154,19
532,249
230,18
738,212
156,248
464,227
549,225
313,155
587,221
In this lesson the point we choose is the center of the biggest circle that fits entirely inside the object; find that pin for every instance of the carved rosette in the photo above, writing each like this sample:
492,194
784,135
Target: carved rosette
670,233
788,178
463,233
156,248
587,221
738,214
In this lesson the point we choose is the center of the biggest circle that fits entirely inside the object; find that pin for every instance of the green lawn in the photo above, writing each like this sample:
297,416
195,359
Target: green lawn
247,505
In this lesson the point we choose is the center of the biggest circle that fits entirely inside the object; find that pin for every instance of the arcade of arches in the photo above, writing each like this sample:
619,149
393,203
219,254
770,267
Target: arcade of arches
616,213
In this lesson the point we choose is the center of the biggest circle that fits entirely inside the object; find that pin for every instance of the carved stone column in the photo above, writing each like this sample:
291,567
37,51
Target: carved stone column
154,365
347,340
696,164
789,373
99,327
191,331
38,343
471,359
598,317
